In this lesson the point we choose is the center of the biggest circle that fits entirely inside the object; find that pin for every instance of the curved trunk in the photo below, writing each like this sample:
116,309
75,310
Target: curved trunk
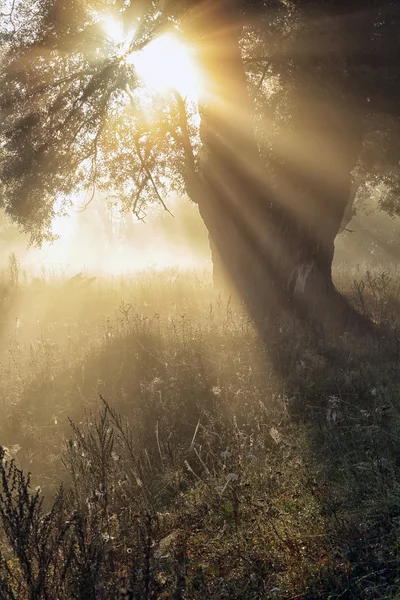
273,240
315,184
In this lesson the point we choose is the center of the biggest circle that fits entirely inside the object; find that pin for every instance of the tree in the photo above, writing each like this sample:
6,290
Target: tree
290,87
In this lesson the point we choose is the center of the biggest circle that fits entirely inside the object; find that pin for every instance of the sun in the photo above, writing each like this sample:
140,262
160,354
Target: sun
114,30
168,64
116,34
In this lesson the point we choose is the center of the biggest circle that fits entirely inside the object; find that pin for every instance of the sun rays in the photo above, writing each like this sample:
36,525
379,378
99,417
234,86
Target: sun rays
166,63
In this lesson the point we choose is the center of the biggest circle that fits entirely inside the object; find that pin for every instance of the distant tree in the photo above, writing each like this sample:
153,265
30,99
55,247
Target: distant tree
291,86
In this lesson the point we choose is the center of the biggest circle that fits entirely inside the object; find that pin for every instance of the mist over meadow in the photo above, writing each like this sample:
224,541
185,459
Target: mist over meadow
199,300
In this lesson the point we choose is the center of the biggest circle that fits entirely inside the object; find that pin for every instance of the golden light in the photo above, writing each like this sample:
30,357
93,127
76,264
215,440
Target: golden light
114,30
63,226
84,245
166,64
116,34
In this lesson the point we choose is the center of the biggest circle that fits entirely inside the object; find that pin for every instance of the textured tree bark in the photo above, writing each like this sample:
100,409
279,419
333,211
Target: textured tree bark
233,200
314,186
273,240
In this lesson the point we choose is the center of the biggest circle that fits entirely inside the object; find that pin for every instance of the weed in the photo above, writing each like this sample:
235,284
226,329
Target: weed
199,464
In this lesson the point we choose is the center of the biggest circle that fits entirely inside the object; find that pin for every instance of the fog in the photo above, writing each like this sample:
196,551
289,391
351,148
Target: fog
102,241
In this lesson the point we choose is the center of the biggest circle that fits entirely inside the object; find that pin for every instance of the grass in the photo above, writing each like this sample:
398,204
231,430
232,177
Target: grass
196,462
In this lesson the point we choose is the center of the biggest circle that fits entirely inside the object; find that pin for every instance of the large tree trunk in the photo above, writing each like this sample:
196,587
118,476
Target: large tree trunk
273,240
314,187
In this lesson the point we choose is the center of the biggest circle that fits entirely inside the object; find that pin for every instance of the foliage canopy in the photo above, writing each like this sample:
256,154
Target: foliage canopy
75,115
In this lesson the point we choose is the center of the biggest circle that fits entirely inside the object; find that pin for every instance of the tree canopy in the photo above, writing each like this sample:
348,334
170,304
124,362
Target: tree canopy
76,115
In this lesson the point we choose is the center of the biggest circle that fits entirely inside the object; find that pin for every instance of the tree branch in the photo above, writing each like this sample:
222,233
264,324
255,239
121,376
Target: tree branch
386,59
10,15
185,138
136,197
150,176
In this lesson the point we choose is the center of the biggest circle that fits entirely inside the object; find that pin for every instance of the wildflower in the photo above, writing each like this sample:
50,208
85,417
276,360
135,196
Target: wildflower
232,477
276,436
226,454
251,457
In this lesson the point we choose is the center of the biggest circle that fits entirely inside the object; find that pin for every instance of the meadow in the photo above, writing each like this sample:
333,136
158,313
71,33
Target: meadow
194,461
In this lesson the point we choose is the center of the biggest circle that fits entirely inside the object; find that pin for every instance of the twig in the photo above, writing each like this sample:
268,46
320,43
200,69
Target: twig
151,179
265,71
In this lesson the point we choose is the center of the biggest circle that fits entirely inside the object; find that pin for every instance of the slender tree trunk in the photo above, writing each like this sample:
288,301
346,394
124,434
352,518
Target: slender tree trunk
273,240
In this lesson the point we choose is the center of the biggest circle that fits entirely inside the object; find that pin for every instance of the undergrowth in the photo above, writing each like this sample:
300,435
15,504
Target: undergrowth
175,456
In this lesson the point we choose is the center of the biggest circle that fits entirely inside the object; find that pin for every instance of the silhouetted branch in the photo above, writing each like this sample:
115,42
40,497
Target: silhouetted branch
185,138
363,59
150,176
135,197
263,76
10,15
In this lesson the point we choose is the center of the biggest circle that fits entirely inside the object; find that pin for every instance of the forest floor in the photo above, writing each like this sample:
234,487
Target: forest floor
197,463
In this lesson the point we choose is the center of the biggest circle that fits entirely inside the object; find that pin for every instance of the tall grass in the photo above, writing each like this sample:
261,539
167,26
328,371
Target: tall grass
193,467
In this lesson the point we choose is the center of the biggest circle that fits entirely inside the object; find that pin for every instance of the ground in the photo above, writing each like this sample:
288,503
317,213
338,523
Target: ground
204,464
